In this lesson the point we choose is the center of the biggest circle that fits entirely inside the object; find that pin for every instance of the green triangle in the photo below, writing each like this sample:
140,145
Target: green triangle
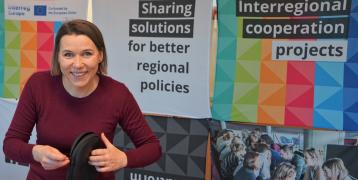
12,57
244,113
240,25
247,71
11,25
248,49
12,40
11,91
243,92
12,75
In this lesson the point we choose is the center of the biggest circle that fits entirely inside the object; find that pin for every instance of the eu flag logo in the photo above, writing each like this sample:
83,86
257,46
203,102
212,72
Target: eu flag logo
40,10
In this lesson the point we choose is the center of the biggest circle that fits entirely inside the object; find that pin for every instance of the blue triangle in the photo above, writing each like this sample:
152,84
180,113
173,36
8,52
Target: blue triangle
350,121
329,74
352,54
353,24
351,75
334,101
350,97
320,121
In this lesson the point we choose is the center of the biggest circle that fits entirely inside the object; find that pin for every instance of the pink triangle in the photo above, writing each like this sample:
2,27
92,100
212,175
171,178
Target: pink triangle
300,73
45,27
44,59
45,41
300,95
301,117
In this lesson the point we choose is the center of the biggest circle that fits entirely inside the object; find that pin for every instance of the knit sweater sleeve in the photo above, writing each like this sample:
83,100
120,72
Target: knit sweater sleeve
15,145
148,148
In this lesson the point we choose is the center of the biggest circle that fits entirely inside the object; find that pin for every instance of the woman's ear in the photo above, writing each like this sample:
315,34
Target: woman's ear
100,57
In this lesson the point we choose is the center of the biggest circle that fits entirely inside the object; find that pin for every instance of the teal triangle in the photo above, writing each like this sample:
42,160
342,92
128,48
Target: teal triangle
226,48
226,7
329,74
225,71
221,111
227,26
223,93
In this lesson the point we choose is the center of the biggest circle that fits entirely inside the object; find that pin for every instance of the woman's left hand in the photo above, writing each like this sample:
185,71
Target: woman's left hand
108,159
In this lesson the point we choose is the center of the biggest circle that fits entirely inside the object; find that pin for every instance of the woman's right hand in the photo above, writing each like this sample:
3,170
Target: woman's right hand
49,157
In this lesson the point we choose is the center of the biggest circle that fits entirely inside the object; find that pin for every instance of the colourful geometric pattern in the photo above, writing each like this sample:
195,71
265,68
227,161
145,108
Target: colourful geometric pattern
251,87
28,48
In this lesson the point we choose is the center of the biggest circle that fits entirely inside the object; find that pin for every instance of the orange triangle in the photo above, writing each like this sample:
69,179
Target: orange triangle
266,50
277,97
273,72
28,26
28,41
28,59
271,115
25,74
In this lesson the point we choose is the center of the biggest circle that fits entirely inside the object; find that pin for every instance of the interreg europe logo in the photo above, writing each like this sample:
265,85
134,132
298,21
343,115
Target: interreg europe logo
40,10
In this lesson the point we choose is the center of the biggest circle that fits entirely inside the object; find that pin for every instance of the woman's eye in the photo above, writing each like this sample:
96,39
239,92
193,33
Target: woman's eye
68,55
87,54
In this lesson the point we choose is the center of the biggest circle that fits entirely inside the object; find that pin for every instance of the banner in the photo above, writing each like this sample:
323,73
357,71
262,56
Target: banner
29,30
184,146
291,63
160,50
10,169
307,150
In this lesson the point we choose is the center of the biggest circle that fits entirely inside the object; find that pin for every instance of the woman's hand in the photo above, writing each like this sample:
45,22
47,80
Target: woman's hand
108,159
49,157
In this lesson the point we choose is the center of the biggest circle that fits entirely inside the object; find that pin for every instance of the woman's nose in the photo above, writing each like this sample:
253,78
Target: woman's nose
78,61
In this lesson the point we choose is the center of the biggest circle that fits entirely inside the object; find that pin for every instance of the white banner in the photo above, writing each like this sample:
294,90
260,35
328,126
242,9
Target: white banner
45,10
9,168
160,50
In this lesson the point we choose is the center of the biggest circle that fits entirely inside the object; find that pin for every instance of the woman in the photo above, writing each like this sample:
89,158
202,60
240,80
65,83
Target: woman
313,161
77,96
285,171
334,169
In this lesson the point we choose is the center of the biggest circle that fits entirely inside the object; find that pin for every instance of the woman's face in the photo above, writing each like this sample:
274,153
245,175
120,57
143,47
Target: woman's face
291,176
308,159
79,61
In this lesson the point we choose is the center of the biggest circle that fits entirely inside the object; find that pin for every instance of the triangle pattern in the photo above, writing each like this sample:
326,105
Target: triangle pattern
178,161
244,113
327,76
223,93
247,71
248,49
300,117
12,40
272,115
11,90
329,98
350,121
45,41
25,74
197,141
350,99
246,93
328,119
174,139
300,73
196,166
273,72
43,60
266,51
272,94
12,25
28,59
45,27
226,48
351,75
226,26
157,124
300,95
12,58
184,123
199,127
160,164
225,71
28,26
28,41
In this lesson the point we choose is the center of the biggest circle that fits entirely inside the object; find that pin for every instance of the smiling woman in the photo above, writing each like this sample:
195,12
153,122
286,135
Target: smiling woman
76,97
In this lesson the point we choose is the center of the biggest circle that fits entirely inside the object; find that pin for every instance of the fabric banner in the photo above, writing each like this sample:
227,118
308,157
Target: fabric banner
307,150
160,50
29,30
291,63
184,146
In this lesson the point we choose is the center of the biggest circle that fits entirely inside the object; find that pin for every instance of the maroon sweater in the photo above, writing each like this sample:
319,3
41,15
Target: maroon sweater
60,118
